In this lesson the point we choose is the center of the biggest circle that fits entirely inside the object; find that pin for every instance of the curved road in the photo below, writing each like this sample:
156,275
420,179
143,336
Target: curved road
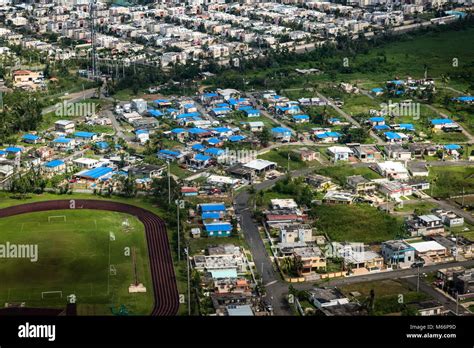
162,271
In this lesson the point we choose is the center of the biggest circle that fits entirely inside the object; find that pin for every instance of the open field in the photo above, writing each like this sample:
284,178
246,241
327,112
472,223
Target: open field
367,224
410,55
76,256
340,172
388,295
450,181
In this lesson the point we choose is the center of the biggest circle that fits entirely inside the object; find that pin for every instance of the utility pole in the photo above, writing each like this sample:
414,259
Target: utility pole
418,280
186,250
179,204
169,183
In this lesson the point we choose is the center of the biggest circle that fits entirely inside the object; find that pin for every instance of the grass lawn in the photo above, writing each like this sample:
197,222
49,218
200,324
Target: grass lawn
6,200
74,257
367,224
422,206
388,295
341,172
468,235
450,181
280,157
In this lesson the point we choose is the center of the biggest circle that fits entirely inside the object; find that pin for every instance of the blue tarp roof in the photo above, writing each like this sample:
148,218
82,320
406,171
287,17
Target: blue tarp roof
169,153
161,101
197,130
222,109
210,95
198,147
392,135
84,134
30,137
221,129
452,147
223,226
251,111
439,121
102,145
211,215
207,207
406,126
178,130
222,105
465,98
213,141
377,90
62,140
281,130
155,113
376,119
96,173
328,135
199,157
301,117
54,163
142,131
189,115
381,127
13,149
236,138
214,151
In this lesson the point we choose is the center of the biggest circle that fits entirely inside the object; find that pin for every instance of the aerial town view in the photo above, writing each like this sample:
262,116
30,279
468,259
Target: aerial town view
221,158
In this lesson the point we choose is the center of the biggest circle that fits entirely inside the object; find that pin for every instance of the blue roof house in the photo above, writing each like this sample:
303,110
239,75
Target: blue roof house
55,166
300,118
218,229
30,139
281,133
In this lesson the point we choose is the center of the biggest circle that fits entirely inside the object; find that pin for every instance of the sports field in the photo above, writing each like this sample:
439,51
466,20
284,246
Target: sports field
85,253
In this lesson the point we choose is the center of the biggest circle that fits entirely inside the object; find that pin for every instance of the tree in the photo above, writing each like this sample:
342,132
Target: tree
264,137
159,189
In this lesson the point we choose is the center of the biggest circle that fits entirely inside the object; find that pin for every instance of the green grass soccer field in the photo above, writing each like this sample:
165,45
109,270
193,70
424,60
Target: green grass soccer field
87,253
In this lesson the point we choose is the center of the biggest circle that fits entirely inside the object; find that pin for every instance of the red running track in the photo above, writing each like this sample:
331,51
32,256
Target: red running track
162,271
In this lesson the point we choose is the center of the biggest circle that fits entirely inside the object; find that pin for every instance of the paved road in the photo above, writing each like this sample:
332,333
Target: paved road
348,117
72,98
446,301
382,275
275,287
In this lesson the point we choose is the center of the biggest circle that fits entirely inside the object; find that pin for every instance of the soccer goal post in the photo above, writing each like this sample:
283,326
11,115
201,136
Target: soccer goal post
51,294
60,218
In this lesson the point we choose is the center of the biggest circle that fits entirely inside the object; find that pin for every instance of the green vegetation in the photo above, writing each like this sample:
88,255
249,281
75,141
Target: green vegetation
74,257
421,207
341,172
390,296
370,62
280,157
450,181
367,224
